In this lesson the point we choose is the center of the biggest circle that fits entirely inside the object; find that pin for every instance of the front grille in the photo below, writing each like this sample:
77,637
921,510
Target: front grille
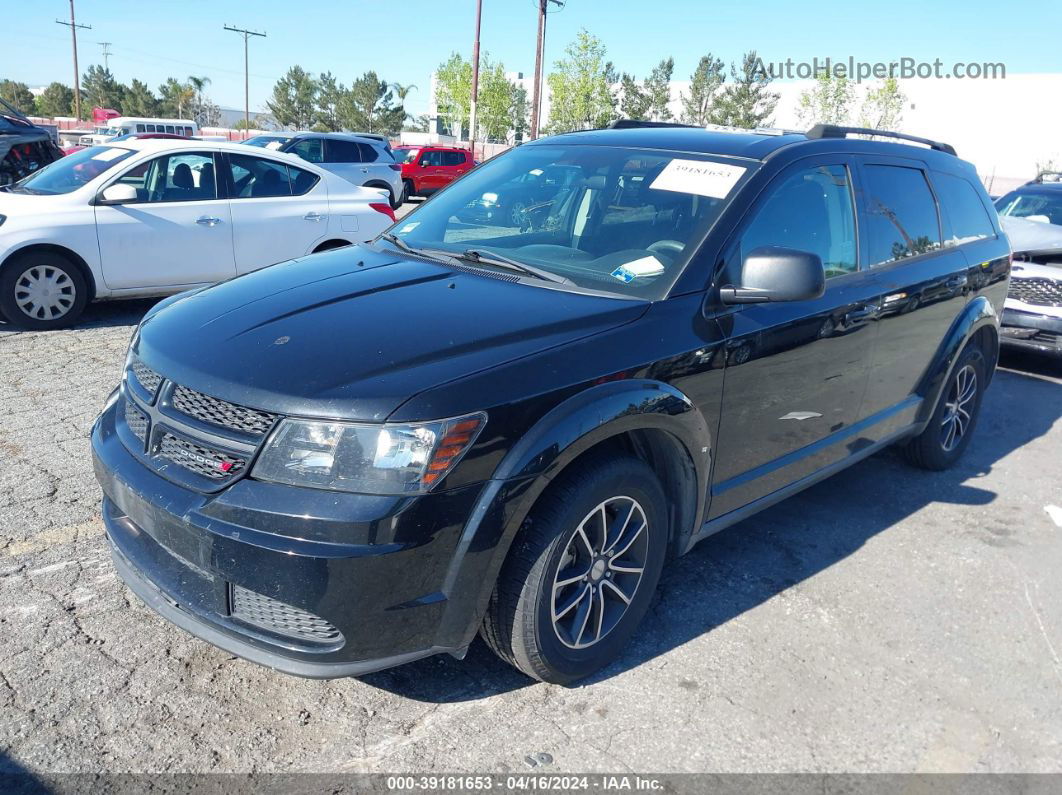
220,412
201,460
147,377
136,420
280,618
1036,291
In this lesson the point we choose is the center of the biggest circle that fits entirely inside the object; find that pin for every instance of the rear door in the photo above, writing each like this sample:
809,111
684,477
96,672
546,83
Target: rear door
924,285
279,211
795,371
346,159
452,166
177,233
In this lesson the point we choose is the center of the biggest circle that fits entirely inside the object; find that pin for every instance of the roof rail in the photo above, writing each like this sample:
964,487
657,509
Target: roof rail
837,131
627,124
1053,177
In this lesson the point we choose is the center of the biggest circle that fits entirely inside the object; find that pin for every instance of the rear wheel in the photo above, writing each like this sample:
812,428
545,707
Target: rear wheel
407,190
948,433
42,290
582,574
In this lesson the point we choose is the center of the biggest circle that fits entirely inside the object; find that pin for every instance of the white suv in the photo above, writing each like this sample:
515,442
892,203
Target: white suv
158,216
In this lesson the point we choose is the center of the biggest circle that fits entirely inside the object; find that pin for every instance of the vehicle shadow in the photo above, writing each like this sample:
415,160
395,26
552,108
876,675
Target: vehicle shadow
18,780
749,563
103,314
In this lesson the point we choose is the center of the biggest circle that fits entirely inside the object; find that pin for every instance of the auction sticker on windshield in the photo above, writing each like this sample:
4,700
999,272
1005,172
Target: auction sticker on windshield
699,177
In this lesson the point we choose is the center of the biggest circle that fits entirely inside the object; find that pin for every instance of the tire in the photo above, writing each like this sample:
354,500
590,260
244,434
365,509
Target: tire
408,189
563,536
395,203
41,290
947,434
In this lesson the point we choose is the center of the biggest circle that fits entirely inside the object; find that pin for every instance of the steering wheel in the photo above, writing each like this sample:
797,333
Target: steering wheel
667,247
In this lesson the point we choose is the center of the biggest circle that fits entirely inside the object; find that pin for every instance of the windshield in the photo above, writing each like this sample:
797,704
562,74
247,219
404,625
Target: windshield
1045,207
405,155
69,173
618,220
268,141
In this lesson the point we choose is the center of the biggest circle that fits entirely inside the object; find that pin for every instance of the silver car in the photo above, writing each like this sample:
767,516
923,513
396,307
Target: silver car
364,160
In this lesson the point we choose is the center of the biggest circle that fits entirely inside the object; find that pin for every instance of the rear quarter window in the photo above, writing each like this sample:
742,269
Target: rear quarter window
965,213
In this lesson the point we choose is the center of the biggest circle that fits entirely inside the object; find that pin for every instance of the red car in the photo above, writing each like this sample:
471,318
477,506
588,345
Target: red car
426,169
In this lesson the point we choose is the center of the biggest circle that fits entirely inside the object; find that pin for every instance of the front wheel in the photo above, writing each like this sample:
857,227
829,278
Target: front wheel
950,428
42,291
581,575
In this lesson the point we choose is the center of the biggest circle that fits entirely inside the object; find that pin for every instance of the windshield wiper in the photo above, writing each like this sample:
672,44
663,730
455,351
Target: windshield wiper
502,261
398,242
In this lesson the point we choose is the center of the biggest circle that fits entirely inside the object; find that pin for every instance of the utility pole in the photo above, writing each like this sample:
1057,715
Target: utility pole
536,100
72,24
475,83
246,78
105,46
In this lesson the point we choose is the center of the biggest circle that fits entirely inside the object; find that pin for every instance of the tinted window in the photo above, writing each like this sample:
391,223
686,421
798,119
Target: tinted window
453,158
901,214
140,128
810,210
257,178
169,129
431,159
301,181
343,152
368,153
309,149
964,210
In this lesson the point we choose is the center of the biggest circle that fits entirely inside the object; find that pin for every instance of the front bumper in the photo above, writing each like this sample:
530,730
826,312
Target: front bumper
1031,331
388,574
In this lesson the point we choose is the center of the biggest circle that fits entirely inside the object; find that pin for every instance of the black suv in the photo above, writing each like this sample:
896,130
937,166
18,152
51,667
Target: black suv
368,456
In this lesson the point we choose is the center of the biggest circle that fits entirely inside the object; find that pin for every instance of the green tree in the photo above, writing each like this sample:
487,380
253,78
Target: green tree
882,106
747,101
828,101
18,94
139,101
204,112
369,107
55,100
101,89
502,104
294,99
175,99
657,89
580,96
705,83
453,92
633,101
243,124
330,95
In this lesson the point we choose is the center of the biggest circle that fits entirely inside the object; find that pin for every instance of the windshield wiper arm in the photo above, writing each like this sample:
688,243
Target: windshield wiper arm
398,242
500,260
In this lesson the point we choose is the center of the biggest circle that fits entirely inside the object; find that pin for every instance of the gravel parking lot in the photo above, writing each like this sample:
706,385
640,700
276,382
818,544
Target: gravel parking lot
886,620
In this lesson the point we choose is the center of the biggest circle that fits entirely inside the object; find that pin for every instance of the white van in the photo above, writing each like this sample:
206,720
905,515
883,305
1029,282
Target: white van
126,125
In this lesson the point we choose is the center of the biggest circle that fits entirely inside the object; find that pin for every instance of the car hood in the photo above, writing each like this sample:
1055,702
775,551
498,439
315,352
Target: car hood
354,333
1030,236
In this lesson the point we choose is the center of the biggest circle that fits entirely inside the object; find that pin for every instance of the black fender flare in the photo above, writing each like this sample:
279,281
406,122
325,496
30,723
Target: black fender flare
558,438
978,314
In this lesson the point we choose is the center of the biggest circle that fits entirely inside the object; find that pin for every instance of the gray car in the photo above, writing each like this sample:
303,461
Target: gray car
364,160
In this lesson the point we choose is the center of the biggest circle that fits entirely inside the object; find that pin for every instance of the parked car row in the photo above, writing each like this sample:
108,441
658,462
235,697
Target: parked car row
507,424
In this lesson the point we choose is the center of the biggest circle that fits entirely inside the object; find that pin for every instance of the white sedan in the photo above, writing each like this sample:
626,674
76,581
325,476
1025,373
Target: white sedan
157,216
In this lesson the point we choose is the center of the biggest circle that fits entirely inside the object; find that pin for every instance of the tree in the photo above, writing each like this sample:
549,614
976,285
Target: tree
368,107
705,83
294,98
748,101
828,101
101,89
502,104
657,89
418,124
175,98
882,107
244,124
633,102
330,95
139,101
55,100
18,94
204,112
453,92
580,96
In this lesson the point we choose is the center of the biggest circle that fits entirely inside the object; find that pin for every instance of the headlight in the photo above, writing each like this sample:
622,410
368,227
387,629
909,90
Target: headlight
369,459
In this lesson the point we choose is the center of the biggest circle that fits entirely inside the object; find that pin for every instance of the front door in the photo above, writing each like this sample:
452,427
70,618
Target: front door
795,372
278,211
431,169
178,232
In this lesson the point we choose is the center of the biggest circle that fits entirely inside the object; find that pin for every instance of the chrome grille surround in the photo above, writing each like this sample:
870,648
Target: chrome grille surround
280,618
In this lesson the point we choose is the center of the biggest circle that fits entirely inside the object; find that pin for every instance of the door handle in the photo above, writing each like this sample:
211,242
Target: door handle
206,220
312,216
862,314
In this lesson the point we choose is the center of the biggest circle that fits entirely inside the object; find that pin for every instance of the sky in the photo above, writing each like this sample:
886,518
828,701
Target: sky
404,41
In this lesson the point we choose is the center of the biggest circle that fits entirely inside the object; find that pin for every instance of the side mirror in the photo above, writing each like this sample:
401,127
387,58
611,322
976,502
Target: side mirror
118,193
773,273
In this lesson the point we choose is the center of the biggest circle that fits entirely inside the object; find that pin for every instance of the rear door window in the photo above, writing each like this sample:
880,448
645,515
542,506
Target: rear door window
901,213
433,158
453,158
257,177
342,152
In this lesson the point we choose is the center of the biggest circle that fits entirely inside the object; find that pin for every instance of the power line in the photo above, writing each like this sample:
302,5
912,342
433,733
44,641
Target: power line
105,47
246,79
72,24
